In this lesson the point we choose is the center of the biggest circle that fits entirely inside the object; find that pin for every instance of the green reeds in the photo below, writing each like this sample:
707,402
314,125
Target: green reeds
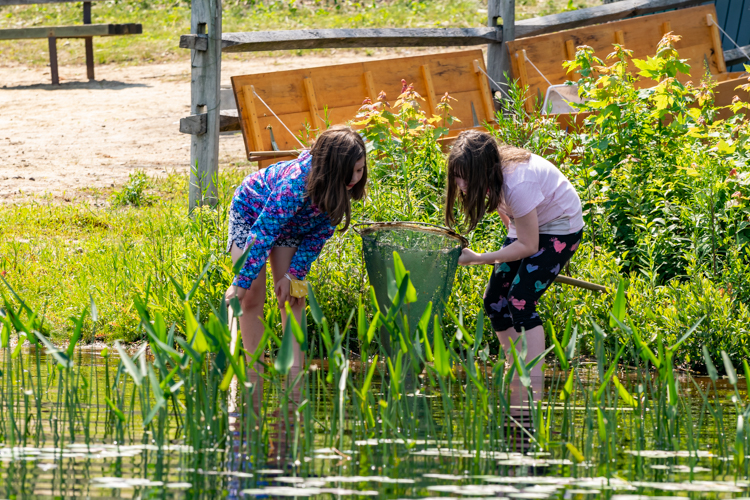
192,383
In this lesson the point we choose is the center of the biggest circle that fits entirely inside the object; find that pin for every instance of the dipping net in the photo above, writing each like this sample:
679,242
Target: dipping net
430,254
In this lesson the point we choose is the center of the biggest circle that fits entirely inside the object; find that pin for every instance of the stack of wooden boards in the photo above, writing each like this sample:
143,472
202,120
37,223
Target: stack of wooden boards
306,99
537,61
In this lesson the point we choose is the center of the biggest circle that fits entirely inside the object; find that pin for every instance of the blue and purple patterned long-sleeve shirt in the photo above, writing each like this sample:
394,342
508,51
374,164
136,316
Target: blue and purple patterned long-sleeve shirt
275,202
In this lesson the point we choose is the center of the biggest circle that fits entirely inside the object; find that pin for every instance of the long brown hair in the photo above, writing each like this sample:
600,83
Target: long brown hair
334,154
477,159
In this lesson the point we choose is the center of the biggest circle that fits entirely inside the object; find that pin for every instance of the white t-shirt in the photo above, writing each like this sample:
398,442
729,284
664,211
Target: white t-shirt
539,184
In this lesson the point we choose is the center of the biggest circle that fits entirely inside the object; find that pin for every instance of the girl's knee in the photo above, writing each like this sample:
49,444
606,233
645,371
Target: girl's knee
254,298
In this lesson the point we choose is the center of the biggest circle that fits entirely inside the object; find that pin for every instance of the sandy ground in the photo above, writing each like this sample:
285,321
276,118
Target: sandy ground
81,137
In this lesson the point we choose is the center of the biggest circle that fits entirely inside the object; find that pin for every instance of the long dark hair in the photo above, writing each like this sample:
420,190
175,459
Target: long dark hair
477,159
334,154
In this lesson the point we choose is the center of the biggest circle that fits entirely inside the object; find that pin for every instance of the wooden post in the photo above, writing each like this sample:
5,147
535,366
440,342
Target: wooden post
89,42
498,58
52,42
205,82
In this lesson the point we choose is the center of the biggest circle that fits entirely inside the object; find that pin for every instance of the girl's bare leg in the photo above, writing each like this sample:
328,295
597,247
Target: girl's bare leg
251,326
280,259
535,346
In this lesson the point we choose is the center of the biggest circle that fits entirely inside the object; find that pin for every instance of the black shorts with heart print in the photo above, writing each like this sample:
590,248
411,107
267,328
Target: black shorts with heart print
514,288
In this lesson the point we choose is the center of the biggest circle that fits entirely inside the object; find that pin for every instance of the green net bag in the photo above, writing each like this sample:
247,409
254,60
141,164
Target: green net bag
430,253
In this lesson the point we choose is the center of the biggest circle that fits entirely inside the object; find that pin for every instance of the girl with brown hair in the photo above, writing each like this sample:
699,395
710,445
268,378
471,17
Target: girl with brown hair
287,212
542,213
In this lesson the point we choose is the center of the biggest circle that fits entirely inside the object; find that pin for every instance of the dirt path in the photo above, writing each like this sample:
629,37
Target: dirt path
81,137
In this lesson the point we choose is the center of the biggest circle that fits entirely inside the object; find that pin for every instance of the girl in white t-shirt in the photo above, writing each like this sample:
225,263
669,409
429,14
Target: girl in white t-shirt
542,212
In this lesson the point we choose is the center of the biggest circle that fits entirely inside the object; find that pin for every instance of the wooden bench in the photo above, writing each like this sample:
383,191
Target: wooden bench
301,98
86,31
537,61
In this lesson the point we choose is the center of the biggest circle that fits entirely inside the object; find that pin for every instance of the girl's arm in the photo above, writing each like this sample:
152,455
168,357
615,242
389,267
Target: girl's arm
504,218
527,244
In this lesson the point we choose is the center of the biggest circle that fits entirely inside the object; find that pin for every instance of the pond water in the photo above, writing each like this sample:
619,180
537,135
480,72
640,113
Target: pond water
72,444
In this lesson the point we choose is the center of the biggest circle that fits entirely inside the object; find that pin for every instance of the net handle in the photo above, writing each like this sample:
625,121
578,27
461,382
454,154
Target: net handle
462,239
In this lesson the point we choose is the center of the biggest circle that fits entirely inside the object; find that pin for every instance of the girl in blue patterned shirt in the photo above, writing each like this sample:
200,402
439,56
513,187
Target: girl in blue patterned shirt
288,211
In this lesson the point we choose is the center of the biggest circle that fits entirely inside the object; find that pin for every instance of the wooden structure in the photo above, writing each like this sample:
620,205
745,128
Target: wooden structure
205,120
87,31
309,97
537,61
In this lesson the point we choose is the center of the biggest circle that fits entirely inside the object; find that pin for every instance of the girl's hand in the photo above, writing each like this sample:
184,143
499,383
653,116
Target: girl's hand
282,293
470,258
234,290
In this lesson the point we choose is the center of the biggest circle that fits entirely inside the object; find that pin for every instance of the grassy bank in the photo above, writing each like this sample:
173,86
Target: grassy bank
164,21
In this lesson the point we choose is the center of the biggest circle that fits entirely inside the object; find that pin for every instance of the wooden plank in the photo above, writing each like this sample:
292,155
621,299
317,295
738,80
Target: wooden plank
666,27
343,85
341,88
195,42
736,56
430,94
523,78
642,35
484,88
252,126
725,91
620,37
229,121
354,38
596,15
315,120
716,43
205,87
193,125
78,31
372,92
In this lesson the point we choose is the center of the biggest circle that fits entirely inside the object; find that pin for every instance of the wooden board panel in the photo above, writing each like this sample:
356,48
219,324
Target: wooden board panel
726,90
82,30
641,35
340,89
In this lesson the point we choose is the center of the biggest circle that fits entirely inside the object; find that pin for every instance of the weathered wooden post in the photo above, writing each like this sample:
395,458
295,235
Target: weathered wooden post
203,125
498,59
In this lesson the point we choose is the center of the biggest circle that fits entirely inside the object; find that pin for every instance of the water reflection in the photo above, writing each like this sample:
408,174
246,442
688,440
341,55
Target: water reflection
47,465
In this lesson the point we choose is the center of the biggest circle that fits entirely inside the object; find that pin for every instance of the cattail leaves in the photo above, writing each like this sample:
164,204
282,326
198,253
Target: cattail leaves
401,273
285,356
623,393
729,367
713,374
442,356
130,367
619,306
62,359
423,324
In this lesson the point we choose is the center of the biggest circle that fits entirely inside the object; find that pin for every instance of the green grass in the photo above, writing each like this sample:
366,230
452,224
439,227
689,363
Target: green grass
164,21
